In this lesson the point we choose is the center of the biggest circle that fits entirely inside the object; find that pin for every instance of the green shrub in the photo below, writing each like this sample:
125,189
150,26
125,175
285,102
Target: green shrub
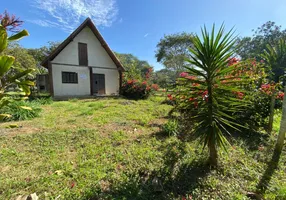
171,127
30,110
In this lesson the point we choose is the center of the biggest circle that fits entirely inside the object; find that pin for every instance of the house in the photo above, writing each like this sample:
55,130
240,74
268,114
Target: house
83,65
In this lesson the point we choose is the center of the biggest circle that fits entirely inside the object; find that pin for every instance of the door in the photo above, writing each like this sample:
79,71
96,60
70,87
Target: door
98,84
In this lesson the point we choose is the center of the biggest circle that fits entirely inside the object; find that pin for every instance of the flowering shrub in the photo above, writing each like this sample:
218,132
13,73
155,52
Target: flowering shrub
137,90
245,78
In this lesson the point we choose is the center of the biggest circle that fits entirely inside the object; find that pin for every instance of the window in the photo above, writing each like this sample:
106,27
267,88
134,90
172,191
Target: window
69,77
82,54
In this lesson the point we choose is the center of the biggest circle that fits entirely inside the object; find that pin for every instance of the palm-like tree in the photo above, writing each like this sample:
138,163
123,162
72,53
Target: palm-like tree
282,131
275,58
210,88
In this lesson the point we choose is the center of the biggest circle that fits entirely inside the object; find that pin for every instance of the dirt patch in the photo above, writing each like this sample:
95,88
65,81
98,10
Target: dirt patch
11,132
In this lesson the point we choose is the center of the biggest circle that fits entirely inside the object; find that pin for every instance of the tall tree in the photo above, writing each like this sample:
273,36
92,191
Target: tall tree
282,131
253,47
274,57
172,50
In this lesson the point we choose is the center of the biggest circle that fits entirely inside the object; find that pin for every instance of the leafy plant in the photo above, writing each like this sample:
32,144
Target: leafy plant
14,86
274,57
32,110
210,94
171,127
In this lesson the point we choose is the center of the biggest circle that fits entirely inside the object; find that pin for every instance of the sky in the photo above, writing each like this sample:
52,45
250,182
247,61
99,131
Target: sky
136,26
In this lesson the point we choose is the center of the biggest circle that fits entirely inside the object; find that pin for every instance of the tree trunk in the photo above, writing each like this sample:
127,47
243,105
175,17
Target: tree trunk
282,131
213,159
271,116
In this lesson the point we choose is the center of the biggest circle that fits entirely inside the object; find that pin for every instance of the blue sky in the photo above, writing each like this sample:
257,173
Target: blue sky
136,26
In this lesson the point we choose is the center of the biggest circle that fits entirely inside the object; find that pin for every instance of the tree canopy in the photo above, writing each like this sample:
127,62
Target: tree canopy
135,68
253,47
173,49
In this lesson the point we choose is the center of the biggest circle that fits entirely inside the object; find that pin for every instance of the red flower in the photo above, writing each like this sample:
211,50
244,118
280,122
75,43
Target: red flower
280,95
170,97
183,74
191,77
72,184
232,61
155,87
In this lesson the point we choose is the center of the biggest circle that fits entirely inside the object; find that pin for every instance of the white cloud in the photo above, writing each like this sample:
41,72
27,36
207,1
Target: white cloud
67,14
146,35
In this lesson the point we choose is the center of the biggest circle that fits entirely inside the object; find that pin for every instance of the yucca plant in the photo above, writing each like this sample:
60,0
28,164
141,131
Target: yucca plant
13,82
210,93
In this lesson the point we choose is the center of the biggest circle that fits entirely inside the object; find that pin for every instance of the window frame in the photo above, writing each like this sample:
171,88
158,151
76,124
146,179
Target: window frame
68,79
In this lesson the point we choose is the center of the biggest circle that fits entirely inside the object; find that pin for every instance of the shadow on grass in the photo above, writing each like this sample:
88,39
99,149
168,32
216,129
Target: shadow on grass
266,177
175,179
252,139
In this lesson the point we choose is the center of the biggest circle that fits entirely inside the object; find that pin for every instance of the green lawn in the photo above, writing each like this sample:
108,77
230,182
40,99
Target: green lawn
115,149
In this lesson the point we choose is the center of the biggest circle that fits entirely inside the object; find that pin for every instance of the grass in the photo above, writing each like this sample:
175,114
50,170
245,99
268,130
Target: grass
115,149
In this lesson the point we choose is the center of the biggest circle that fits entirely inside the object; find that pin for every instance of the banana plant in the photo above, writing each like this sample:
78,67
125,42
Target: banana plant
13,86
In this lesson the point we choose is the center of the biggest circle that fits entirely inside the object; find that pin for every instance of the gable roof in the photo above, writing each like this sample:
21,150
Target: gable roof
87,23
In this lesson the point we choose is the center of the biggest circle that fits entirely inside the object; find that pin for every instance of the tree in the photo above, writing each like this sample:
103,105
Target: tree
135,68
173,49
209,95
39,54
274,56
165,77
17,78
282,131
22,58
253,47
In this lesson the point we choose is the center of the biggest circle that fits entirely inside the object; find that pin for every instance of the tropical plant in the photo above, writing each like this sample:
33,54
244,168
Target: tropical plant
282,131
210,92
274,57
13,86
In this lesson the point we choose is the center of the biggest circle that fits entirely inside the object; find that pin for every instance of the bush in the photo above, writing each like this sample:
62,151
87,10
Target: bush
22,110
138,90
257,114
171,127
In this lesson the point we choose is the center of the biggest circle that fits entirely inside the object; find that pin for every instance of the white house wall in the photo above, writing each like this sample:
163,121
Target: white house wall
82,88
111,80
98,58
97,55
